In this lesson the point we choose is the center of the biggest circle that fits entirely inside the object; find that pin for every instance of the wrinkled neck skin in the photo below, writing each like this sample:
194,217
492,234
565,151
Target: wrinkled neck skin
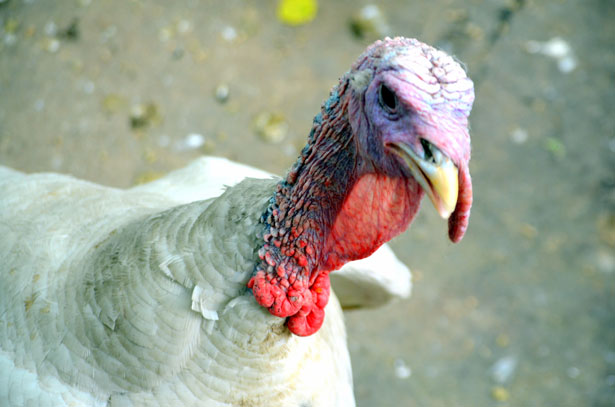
332,208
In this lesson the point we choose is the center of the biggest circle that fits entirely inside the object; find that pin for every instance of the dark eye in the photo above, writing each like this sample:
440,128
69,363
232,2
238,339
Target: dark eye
387,99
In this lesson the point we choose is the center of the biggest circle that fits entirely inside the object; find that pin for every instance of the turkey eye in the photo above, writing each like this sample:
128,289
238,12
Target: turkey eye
388,99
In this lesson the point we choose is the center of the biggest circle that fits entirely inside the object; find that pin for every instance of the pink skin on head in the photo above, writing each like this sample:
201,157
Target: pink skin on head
349,192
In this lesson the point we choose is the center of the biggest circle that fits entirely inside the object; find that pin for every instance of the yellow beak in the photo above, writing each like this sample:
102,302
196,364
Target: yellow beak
436,174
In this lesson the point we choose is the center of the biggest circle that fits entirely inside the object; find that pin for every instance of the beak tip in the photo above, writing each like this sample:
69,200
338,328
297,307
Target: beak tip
439,178
445,213
445,216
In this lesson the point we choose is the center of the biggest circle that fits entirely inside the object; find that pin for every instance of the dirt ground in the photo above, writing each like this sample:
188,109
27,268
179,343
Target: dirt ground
520,313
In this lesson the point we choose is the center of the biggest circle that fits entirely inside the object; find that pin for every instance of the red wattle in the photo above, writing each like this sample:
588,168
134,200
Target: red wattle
305,308
311,316
458,222
282,303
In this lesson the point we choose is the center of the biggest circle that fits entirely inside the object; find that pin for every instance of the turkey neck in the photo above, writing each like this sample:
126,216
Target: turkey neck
317,221
306,203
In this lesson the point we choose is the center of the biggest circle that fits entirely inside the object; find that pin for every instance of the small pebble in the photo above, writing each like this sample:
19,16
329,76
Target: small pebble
556,48
30,31
52,45
147,176
369,23
539,106
518,135
209,146
402,371
502,340
166,33
456,15
71,32
474,31
567,64
11,25
222,93
605,261
251,21
528,231
499,393
196,51
184,26
144,115
10,39
77,66
290,150
228,34
113,103
221,135
150,156
56,162
178,53
503,369
573,372
271,127
605,224
555,147
485,352
50,29
89,87
194,140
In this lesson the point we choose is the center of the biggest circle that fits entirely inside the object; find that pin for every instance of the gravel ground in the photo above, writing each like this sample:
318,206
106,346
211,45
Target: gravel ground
521,313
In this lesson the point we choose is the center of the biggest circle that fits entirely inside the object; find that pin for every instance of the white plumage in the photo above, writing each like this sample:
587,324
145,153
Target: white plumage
137,297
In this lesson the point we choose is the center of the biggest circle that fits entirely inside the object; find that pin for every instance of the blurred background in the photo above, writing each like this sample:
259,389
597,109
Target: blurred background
520,313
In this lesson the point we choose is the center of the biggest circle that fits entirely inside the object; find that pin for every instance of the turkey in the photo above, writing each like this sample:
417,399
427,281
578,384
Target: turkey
154,296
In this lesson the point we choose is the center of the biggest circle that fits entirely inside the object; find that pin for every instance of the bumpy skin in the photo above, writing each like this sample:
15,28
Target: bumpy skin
348,193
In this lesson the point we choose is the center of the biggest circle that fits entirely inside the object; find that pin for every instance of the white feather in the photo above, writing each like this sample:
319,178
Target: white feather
106,299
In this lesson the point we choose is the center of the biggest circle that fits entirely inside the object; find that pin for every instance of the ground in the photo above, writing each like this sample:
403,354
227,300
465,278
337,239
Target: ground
520,313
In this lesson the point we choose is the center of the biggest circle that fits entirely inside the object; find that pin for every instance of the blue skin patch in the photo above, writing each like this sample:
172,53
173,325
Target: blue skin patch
334,98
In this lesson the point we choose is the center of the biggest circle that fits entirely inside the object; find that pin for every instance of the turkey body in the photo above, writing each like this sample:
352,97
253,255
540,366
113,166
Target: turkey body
177,333
168,294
